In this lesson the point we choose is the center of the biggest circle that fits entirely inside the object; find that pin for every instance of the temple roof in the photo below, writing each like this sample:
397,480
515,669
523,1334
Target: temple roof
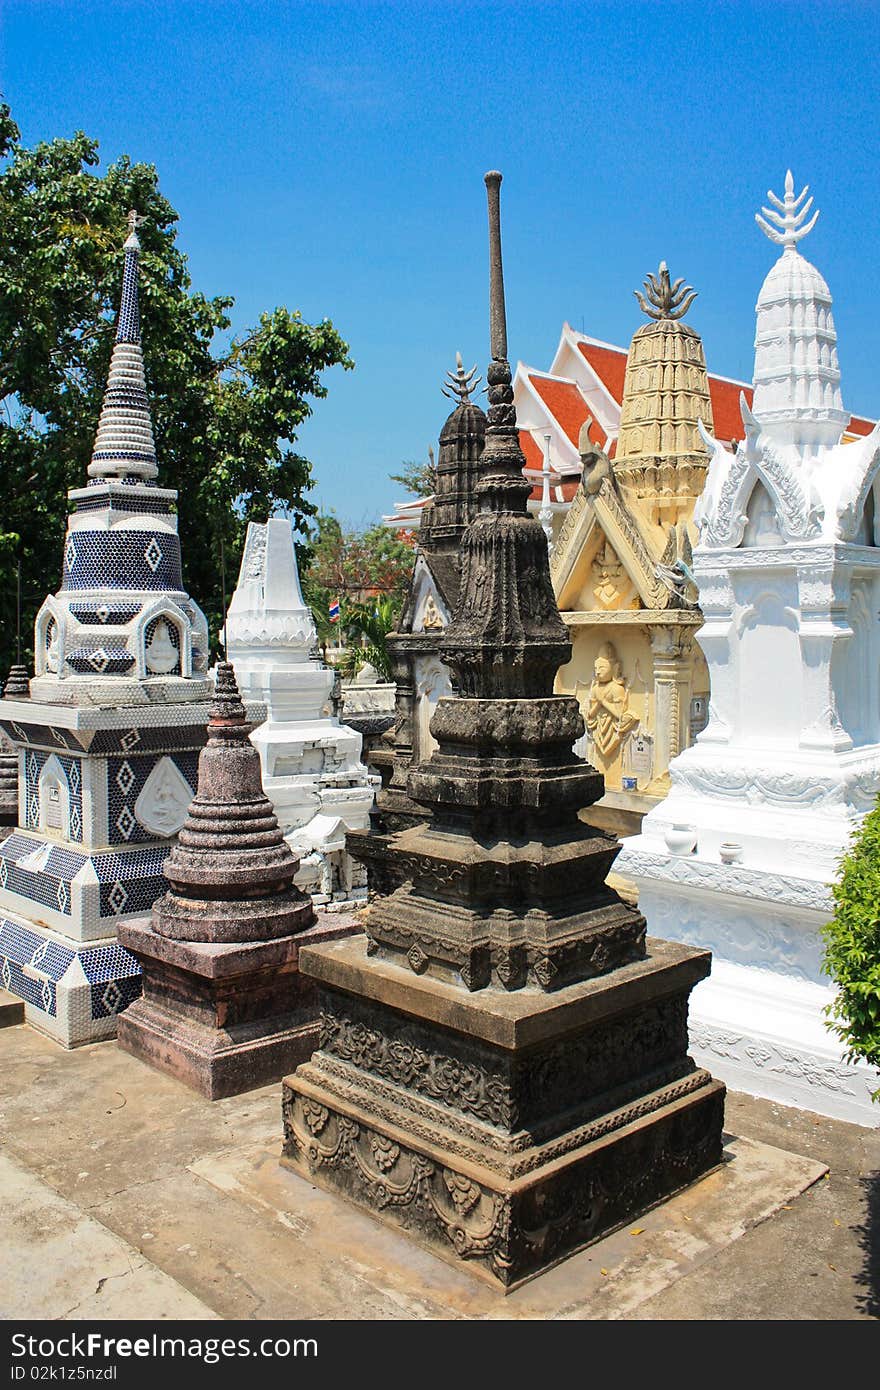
564,402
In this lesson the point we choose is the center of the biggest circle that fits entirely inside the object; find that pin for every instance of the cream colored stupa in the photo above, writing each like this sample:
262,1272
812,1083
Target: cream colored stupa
621,566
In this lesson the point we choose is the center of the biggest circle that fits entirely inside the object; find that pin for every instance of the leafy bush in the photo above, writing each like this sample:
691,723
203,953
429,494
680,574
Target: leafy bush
852,946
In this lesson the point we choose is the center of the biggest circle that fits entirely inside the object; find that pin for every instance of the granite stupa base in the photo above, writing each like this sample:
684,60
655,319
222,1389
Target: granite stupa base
223,1018
503,1131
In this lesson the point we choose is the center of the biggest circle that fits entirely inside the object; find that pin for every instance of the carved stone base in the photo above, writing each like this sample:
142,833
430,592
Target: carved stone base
502,1130
222,1018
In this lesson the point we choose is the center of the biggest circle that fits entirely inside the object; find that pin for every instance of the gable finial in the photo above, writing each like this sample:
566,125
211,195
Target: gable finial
788,220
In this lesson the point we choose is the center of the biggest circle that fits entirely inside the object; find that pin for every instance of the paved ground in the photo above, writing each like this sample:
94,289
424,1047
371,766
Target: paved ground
122,1194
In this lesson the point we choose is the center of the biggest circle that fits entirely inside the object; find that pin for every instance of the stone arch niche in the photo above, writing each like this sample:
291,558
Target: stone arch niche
162,641
49,632
54,800
762,522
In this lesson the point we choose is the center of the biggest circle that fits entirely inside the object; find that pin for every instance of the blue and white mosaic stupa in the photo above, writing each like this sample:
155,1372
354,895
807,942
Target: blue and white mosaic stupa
108,741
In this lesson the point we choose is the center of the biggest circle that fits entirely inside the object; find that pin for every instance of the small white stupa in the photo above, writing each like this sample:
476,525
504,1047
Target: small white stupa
740,855
311,764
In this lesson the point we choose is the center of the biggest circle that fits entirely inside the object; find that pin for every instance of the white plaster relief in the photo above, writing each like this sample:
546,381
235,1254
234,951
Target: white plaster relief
164,799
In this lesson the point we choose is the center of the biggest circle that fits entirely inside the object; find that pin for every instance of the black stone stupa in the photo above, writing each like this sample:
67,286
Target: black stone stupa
503,1068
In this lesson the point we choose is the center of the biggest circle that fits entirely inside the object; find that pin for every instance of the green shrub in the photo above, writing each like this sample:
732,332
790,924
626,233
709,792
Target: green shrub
852,946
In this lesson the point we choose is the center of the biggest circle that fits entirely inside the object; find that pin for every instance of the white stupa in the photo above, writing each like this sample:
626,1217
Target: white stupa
739,856
312,770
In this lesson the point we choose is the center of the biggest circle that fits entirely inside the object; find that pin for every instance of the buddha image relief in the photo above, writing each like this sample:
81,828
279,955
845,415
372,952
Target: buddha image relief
608,718
164,800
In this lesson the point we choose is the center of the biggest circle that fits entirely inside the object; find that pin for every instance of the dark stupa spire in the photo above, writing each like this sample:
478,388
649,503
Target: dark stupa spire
506,639
454,502
504,779
124,446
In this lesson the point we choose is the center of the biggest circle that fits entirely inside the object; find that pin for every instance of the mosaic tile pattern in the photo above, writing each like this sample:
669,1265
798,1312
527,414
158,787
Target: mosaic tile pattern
125,779
112,974
145,560
166,739
104,613
107,659
131,883
112,998
38,735
145,506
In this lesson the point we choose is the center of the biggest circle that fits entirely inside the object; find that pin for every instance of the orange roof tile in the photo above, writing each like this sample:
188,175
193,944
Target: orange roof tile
609,364
534,457
859,426
726,414
566,405
569,488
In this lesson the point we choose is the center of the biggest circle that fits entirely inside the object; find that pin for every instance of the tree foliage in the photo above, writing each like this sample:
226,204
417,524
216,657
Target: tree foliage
418,478
225,422
354,565
852,946
367,626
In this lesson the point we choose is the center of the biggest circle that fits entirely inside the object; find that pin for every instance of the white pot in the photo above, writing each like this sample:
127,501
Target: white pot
680,839
731,853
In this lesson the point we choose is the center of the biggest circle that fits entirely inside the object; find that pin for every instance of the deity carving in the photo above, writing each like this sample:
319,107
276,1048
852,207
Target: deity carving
432,620
161,655
607,572
609,718
164,800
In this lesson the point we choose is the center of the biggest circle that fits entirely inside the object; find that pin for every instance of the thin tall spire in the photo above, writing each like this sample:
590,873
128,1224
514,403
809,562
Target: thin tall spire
506,638
124,447
497,309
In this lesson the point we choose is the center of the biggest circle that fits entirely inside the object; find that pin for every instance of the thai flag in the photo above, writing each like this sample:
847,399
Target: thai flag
334,610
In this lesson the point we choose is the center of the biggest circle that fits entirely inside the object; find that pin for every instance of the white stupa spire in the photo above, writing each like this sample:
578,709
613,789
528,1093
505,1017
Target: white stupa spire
797,376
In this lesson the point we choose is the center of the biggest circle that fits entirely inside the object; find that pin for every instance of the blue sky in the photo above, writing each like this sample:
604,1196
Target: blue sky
329,156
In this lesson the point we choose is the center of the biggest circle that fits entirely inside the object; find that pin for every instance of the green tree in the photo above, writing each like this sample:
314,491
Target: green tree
418,478
354,565
225,421
367,626
368,572
852,946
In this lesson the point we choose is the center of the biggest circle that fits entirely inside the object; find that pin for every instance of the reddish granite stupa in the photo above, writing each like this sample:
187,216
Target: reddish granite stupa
224,1007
